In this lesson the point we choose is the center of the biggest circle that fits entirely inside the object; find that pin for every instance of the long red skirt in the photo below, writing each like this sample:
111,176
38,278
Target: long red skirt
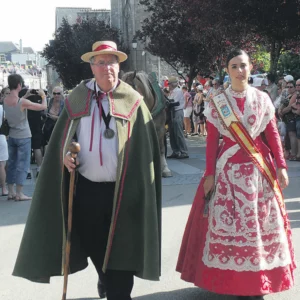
244,283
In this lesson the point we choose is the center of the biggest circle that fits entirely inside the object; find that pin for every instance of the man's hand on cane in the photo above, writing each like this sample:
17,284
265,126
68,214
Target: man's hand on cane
69,162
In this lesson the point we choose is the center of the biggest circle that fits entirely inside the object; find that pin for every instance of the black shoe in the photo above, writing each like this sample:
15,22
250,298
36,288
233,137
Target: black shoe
101,289
28,176
182,156
173,155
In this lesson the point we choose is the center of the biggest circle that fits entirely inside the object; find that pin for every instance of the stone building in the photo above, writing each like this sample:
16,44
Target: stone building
73,15
77,14
127,16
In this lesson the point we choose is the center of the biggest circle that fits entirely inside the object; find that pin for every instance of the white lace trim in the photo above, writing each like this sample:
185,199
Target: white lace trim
258,112
246,231
237,94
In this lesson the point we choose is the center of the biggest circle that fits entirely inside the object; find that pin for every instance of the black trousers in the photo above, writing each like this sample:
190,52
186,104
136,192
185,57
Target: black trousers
92,216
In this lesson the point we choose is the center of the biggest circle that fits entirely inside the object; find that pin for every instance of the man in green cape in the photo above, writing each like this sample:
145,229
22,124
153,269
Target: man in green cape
117,203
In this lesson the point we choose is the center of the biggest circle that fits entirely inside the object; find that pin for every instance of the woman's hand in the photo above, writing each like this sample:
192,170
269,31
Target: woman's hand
27,94
69,162
209,184
283,178
42,93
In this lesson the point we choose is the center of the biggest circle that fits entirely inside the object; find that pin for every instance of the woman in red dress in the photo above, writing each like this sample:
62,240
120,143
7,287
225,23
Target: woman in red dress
242,246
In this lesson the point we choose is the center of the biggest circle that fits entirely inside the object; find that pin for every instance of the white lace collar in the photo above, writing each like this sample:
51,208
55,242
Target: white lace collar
258,111
237,94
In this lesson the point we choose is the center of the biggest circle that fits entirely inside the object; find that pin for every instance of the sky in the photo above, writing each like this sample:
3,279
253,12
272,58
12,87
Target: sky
33,21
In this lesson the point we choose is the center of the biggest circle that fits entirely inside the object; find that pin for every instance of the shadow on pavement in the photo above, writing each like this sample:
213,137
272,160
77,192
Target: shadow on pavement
85,298
293,205
13,213
183,294
294,219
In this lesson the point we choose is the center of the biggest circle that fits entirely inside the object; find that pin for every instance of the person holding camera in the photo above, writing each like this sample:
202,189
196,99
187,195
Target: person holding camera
19,142
55,107
35,125
177,139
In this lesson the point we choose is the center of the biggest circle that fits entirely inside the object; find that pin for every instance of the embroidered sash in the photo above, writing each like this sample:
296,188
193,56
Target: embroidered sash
245,141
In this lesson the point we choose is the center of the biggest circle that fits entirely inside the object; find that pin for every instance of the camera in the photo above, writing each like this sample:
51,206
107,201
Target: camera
170,103
33,92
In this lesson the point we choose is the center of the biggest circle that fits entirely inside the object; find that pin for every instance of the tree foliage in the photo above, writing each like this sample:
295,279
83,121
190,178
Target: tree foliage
203,32
167,34
276,21
289,63
71,41
260,60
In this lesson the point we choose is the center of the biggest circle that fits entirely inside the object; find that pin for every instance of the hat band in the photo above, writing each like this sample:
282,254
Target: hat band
104,47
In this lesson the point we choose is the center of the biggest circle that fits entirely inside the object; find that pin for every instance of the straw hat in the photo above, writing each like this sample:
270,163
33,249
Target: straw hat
173,79
104,47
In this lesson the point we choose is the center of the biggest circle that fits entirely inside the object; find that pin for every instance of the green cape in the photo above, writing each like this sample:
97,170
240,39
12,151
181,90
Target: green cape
134,241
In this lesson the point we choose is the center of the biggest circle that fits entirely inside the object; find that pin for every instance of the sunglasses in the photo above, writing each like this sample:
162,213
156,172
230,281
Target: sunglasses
290,87
56,94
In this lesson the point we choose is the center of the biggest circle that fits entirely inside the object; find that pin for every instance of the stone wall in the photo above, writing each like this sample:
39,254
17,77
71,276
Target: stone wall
127,16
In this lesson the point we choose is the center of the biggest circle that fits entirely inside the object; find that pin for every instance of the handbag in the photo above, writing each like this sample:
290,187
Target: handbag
48,128
4,129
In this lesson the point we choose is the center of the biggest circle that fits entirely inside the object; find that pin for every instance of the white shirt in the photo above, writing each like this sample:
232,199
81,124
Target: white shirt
178,96
89,156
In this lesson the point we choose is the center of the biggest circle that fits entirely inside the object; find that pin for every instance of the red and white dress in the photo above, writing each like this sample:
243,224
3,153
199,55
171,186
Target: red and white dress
241,247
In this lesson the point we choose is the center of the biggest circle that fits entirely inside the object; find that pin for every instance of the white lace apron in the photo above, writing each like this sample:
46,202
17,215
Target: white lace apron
245,227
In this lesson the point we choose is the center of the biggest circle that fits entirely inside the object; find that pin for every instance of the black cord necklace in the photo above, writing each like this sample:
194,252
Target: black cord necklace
108,132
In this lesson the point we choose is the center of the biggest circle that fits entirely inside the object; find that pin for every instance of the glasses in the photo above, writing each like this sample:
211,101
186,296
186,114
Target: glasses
56,94
297,84
102,64
290,87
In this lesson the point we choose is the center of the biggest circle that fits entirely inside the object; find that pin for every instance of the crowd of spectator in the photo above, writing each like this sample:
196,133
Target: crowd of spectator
31,116
284,94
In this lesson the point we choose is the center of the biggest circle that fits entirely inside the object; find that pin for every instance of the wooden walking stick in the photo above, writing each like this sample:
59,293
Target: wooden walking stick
74,149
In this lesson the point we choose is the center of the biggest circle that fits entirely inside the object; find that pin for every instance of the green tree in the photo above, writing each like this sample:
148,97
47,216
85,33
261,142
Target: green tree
167,33
71,41
276,21
261,60
289,63
192,34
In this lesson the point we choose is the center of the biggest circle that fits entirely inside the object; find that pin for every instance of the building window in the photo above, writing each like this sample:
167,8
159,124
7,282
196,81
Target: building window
2,58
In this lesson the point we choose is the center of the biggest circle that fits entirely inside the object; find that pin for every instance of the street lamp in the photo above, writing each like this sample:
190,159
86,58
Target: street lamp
134,46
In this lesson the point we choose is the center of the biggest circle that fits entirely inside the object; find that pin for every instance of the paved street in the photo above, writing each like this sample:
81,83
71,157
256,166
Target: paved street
178,193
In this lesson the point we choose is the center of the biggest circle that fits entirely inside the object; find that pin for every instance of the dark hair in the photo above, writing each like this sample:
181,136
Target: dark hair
266,92
234,53
184,87
293,82
13,81
4,90
271,77
250,80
